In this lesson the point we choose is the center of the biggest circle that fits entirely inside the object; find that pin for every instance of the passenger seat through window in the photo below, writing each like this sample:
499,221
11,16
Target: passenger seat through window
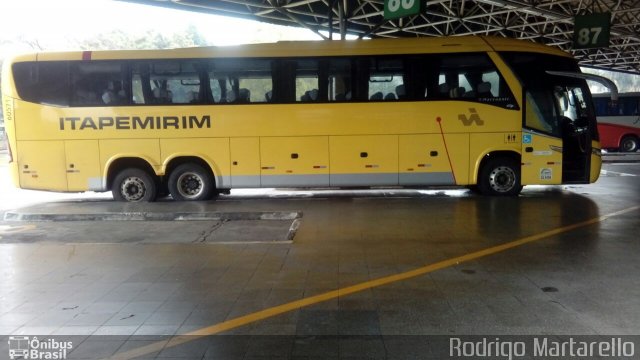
484,90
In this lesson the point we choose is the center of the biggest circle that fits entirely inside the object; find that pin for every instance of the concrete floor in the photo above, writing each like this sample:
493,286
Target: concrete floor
574,270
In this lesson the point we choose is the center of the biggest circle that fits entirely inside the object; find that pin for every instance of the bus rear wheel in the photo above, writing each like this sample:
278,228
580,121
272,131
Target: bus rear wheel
629,143
134,185
191,182
500,177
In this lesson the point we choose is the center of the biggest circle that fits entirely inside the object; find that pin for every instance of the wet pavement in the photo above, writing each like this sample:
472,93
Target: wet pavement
555,260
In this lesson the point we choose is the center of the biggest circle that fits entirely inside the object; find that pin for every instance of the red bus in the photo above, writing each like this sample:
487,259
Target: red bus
619,121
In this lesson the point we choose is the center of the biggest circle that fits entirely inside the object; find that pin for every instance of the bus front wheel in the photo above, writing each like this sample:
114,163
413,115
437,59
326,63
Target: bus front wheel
134,185
629,143
191,182
500,176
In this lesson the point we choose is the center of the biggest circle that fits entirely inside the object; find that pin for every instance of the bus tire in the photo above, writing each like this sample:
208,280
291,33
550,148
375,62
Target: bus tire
134,185
629,143
500,176
191,182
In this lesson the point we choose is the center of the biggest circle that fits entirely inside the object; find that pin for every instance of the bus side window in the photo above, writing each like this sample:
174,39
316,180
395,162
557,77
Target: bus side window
386,79
140,84
178,82
218,86
114,93
161,92
601,105
606,107
628,106
250,88
307,80
448,87
170,82
240,81
339,80
98,83
471,77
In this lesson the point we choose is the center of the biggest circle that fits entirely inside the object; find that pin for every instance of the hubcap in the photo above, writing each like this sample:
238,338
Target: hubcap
132,189
190,185
502,179
629,145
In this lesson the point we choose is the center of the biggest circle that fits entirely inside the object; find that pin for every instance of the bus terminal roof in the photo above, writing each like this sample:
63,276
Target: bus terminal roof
549,22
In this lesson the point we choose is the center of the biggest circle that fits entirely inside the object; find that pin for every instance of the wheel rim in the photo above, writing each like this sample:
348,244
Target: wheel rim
629,145
502,179
133,189
190,185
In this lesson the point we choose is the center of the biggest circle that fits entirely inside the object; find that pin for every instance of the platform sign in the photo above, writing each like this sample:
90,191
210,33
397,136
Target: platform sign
591,31
394,9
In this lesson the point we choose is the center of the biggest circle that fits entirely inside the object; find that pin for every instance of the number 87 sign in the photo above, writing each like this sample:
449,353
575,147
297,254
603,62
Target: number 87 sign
591,31
394,9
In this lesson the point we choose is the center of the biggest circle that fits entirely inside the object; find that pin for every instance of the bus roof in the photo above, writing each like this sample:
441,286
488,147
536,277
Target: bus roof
313,48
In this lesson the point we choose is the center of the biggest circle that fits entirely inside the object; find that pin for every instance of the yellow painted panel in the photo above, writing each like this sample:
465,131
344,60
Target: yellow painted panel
423,153
245,156
458,149
541,159
191,122
294,155
367,154
58,56
42,165
148,150
83,165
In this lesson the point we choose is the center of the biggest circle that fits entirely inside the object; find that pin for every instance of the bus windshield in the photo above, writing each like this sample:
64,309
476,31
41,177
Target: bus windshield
573,105
558,100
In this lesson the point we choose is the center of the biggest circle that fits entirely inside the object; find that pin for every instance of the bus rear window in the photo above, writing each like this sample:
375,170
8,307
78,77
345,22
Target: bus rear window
44,83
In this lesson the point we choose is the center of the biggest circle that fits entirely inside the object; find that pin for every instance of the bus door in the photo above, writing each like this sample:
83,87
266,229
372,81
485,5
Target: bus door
581,161
541,141
578,127
559,128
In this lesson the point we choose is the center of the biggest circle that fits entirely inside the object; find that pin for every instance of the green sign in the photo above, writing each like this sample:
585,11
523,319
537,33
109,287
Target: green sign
394,9
591,31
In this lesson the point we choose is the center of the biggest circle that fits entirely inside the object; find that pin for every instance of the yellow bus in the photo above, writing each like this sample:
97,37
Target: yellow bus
492,114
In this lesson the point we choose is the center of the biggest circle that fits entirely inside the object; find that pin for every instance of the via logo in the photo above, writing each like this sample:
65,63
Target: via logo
474,117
